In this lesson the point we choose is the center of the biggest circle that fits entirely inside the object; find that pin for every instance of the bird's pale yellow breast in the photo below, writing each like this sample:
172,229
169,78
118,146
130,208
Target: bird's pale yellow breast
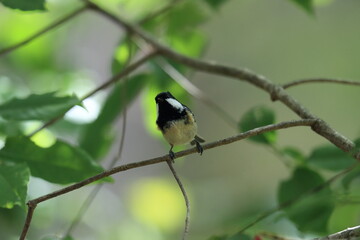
181,131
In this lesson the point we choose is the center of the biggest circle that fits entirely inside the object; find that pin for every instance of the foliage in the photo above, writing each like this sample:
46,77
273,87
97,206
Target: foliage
257,117
37,107
66,162
25,5
313,213
61,163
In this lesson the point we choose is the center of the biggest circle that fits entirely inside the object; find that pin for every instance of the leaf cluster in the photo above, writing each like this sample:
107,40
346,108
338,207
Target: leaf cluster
64,162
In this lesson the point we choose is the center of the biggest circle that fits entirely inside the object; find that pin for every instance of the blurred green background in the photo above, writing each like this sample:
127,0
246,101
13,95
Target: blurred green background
228,186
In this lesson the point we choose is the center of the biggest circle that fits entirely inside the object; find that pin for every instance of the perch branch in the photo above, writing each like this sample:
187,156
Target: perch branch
320,80
43,31
241,136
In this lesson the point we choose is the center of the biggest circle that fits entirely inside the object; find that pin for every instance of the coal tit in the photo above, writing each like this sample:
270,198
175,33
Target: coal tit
176,122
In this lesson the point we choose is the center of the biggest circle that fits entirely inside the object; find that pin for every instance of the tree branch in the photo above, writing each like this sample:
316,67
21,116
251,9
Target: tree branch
241,136
320,80
348,234
43,31
276,92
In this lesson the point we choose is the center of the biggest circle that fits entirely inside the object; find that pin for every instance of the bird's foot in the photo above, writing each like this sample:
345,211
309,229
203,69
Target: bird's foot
199,148
172,156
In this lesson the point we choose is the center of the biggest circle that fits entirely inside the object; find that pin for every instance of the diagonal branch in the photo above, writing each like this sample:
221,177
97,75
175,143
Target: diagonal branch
132,67
276,92
229,140
43,31
320,80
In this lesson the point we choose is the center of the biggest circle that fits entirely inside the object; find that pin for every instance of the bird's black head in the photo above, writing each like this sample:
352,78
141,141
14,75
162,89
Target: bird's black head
162,96
169,109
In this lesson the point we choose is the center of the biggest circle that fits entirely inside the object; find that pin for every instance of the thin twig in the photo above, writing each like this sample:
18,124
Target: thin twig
186,198
84,207
276,92
90,198
160,11
132,67
30,213
229,140
349,234
43,31
321,80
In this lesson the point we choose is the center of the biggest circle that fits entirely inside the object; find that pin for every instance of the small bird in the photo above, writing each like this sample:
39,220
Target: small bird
176,122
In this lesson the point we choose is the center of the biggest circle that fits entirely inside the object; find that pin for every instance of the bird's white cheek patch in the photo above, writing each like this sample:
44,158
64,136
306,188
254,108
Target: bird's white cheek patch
175,104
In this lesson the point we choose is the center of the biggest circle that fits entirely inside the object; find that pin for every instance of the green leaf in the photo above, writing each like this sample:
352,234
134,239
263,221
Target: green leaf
310,214
13,184
190,43
24,5
10,128
37,107
122,54
331,158
215,4
61,163
12,221
307,5
97,136
176,22
258,117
